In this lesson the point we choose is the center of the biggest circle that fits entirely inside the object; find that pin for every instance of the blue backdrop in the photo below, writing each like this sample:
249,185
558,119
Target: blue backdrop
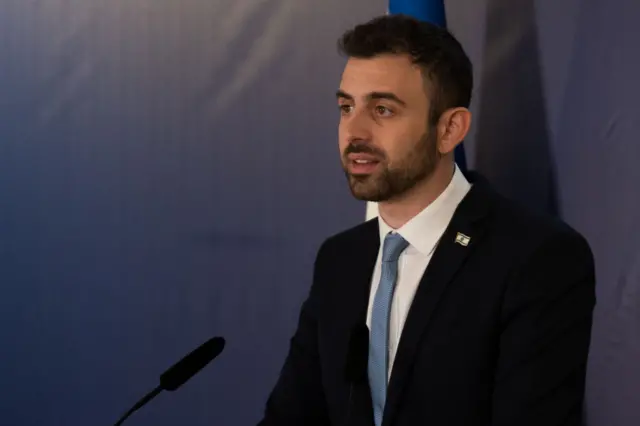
169,168
167,171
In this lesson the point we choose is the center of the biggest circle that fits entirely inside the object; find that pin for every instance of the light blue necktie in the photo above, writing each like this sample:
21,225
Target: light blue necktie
378,365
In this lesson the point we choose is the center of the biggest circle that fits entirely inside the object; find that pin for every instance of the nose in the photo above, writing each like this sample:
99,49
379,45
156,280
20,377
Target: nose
356,127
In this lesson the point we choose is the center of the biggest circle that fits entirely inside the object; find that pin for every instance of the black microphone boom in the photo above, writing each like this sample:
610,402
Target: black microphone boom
148,397
181,371
188,366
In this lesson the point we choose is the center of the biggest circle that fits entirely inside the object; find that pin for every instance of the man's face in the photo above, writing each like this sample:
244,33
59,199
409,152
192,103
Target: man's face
385,142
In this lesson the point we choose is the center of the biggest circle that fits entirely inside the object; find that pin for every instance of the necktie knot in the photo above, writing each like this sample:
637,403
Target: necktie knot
394,245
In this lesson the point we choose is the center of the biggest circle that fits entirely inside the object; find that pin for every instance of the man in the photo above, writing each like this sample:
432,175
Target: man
477,311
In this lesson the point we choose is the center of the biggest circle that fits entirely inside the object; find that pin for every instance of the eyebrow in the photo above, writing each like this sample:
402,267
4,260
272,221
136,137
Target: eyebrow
373,95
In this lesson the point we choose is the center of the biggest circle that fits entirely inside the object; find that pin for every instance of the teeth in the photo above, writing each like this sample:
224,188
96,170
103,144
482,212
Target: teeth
362,161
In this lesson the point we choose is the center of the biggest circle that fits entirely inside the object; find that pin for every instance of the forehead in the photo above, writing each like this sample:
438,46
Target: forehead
385,73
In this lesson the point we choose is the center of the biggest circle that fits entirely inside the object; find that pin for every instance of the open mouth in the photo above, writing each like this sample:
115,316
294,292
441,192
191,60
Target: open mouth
360,164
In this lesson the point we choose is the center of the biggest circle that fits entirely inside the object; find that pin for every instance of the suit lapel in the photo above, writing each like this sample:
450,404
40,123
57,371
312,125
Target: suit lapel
360,262
467,227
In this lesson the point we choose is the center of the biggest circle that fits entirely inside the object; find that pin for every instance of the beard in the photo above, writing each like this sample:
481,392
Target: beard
393,180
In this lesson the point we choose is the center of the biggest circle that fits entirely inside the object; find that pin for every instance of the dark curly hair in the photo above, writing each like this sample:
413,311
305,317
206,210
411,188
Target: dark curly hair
446,67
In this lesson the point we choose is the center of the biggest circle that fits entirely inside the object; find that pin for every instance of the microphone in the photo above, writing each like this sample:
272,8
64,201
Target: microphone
357,358
181,371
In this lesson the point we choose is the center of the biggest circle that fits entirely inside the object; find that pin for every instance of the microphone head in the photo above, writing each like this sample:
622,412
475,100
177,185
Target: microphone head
188,366
357,354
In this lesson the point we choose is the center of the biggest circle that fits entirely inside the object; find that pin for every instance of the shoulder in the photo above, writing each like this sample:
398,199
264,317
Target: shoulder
357,237
344,254
529,234
521,224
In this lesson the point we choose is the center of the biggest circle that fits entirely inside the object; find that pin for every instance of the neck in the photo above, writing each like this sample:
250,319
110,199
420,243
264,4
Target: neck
400,210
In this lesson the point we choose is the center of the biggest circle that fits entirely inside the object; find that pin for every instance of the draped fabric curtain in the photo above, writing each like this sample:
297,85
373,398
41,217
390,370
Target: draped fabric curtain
168,170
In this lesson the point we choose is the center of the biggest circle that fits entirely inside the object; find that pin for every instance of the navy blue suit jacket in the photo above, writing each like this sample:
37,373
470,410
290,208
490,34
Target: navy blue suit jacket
497,335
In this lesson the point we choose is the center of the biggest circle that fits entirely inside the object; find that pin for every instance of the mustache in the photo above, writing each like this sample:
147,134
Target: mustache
363,149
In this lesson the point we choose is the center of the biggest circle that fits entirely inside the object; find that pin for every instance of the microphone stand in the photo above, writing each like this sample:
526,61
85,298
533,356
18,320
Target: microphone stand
148,397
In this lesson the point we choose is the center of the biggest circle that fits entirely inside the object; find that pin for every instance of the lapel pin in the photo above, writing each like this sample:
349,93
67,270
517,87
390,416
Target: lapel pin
462,239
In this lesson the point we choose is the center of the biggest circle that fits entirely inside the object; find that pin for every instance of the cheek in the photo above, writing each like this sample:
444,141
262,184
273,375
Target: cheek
343,137
342,141
395,138
399,144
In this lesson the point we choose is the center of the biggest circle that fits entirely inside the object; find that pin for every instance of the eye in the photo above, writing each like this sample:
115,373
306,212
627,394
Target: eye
383,111
345,108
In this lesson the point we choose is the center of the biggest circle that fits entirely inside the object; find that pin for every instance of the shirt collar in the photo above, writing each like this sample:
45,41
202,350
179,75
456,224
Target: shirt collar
424,230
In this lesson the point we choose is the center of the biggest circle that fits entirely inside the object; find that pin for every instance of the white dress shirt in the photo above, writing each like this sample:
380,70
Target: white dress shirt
422,232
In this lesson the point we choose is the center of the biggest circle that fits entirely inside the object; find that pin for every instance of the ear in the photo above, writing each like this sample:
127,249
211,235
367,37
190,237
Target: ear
453,127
